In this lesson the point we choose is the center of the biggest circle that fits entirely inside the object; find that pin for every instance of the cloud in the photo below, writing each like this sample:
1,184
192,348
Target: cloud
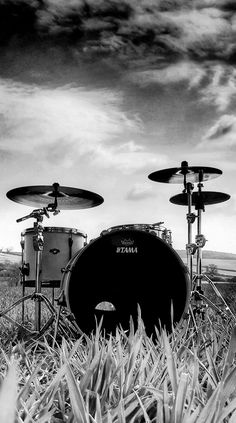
61,125
140,192
225,125
221,88
182,71
64,123
222,135
148,30
128,158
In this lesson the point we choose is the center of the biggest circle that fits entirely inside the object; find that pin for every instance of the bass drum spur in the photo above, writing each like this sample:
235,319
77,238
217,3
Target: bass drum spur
126,268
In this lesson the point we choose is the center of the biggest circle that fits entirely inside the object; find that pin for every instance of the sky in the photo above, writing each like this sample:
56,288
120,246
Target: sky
98,94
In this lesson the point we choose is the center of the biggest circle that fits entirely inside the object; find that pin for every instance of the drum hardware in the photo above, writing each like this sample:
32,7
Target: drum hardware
156,229
199,199
200,202
49,198
188,175
38,243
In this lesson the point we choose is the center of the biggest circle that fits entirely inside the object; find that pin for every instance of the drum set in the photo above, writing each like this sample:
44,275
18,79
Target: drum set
127,267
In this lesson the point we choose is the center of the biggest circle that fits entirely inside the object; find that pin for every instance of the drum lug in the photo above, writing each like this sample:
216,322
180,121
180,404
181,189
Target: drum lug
191,248
25,269
71,317
66,269
61,301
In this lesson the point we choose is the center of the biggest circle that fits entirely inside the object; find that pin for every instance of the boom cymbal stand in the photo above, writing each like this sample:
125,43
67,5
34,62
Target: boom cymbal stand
199,299
64,198
65,326
188,175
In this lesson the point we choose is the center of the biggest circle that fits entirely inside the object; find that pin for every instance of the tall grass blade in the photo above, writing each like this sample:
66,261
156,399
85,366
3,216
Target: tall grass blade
230,354
77,402
8,396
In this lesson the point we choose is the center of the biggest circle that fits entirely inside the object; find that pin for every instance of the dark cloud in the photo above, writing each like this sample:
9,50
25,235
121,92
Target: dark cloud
18,19
130,32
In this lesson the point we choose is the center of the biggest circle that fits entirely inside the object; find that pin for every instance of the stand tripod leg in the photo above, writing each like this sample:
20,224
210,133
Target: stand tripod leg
56,325
4,313
217,292
23,303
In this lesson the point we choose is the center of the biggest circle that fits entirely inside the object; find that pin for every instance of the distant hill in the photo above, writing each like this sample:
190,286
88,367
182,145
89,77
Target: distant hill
207,254
13,257
225,262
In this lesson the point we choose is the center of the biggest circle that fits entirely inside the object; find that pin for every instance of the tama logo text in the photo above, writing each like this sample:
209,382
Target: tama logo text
127,250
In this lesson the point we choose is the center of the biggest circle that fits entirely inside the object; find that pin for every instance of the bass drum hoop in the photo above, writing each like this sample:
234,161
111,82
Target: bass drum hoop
71,267
56,229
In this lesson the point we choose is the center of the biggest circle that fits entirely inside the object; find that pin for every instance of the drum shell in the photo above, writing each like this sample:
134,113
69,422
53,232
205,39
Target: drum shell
158,282
60,245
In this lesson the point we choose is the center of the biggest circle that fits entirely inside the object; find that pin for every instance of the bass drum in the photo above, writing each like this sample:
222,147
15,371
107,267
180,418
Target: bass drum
126,268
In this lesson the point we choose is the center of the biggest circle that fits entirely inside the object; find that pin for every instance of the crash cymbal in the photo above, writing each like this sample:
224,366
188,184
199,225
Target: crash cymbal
205,197
67,198
175,175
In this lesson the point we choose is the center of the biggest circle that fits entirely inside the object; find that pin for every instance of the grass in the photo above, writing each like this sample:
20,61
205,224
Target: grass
186,377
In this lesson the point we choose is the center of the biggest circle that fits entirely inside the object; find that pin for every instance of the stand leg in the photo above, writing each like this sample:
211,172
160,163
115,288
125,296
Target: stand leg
190,220
23,303
56,325
38,291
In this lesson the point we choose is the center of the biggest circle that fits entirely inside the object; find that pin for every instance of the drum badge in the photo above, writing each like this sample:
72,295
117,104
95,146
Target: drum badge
54,251
127,246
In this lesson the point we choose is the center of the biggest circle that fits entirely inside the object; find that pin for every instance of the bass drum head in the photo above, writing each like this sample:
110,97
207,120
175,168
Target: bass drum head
127,268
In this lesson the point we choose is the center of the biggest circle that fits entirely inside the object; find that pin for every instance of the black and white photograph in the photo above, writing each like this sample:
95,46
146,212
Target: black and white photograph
118,211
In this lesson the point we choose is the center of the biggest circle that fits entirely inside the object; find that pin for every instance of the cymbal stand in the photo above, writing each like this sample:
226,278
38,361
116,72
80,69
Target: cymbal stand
190,247
38,243
198,294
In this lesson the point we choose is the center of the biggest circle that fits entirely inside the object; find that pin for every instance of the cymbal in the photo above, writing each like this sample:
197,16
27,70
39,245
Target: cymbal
207,197
43,195
175,175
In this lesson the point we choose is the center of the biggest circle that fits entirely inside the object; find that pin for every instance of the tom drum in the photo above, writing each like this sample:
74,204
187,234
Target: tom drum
60,245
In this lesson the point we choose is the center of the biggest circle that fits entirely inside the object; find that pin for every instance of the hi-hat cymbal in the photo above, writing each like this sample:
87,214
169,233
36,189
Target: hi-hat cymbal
67,198
176,175
205,197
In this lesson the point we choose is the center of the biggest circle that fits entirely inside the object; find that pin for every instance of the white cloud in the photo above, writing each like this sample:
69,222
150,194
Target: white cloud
66,123
221,135
128,157
175,73
140,192
199,24
222,88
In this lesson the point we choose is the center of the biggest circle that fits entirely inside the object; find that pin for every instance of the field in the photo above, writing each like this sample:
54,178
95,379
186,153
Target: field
188,376
11,257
